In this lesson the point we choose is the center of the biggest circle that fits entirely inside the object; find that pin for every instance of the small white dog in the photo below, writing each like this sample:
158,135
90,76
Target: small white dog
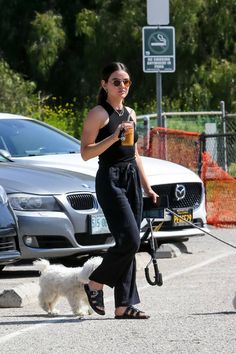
57,281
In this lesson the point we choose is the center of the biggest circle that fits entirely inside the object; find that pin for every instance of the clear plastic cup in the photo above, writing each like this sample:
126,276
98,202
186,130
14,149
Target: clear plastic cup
129,134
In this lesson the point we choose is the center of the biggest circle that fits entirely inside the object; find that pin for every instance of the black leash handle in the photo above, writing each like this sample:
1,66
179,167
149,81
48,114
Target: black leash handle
157,275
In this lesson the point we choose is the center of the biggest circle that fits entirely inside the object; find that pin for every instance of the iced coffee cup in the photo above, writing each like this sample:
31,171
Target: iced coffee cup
129,134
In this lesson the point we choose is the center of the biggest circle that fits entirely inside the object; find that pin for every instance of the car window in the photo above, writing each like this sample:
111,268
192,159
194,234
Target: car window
29,138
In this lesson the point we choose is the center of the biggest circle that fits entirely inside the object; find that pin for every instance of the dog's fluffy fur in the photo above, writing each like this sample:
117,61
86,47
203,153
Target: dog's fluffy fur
234,301
57,281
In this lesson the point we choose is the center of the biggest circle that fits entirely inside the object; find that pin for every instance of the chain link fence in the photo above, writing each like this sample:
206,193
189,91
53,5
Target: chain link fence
222,149
217,130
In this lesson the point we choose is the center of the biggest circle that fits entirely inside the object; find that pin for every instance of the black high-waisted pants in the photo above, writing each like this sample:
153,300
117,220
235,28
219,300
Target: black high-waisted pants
119,194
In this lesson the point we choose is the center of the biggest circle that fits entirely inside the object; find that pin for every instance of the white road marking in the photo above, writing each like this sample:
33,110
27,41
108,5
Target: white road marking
28,329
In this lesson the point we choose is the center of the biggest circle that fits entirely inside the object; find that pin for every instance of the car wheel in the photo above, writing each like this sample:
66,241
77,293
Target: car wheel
1,267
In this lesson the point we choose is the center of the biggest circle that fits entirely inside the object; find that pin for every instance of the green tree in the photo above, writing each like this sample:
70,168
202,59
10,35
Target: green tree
63,45
16,94
205,55
46,40
115,35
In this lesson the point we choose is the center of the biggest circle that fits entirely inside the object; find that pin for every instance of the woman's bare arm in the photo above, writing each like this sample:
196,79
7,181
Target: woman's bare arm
96,119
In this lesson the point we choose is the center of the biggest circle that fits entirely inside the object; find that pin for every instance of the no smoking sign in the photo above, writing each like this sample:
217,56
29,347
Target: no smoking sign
158,49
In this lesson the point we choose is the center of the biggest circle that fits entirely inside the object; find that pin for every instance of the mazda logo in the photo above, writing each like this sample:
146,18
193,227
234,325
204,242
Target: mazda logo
180,191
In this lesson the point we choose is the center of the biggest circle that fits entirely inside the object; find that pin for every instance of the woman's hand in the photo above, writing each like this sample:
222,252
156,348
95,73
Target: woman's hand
116,134
154,196
121,127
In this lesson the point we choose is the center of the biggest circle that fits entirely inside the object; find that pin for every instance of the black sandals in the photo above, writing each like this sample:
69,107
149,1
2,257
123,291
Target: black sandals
95,299
131,313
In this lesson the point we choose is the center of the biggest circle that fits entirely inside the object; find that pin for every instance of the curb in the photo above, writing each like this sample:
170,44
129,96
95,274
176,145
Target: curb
20,295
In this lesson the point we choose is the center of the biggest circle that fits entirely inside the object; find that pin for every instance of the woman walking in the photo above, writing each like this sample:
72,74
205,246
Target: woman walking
119,182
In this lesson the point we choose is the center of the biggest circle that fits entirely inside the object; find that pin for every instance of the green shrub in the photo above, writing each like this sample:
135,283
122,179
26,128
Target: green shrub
232,169
68,117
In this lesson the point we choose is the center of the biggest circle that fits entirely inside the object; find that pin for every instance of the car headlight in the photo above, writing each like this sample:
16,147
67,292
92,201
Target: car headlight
3,196
31,202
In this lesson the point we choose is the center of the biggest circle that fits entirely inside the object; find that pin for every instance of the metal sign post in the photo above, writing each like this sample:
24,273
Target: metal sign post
160,122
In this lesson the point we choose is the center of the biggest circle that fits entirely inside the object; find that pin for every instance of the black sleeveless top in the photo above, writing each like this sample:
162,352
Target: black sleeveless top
116,153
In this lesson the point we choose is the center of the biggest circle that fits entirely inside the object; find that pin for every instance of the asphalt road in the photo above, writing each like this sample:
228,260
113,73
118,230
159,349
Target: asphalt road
191,313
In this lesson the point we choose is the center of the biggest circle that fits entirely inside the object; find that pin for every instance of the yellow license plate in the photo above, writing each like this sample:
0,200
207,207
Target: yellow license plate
183,216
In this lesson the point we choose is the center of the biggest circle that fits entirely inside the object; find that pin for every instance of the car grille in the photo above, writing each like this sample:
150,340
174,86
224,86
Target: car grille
92,240
193,195
82,201
7,240
52,241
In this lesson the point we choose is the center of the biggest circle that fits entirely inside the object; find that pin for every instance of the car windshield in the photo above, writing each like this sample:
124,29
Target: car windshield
23,137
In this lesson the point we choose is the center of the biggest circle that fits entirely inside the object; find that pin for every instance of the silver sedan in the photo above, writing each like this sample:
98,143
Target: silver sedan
57,211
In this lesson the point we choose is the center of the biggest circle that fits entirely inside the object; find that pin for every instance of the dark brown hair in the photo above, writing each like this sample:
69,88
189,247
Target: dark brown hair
106,73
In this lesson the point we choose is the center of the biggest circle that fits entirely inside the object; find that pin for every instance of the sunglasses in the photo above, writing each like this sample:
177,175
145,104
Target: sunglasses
117,82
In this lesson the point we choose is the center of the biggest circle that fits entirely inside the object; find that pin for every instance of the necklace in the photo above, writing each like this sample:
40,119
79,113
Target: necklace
120,112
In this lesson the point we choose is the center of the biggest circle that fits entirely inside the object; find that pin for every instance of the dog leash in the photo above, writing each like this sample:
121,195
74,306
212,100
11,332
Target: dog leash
201,229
